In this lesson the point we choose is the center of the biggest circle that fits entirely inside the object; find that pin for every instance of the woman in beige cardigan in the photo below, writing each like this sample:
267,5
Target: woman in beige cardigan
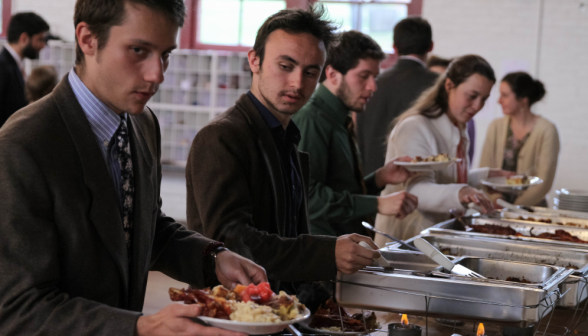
522,141
435,124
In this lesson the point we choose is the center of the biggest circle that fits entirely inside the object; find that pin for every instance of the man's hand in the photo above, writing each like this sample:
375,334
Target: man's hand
399,204
469,194
393,174
499,172
350,256
232,269
175,320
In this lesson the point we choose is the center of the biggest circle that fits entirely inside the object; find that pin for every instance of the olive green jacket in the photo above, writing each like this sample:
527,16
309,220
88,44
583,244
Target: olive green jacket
337,204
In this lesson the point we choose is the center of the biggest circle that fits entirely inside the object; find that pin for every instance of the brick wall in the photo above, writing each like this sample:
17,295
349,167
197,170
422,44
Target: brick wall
551,44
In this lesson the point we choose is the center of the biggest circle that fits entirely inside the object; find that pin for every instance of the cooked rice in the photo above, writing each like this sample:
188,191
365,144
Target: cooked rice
252,312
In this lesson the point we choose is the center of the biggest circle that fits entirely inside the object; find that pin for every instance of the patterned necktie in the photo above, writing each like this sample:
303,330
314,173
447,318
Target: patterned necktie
127,183
462,167
355,150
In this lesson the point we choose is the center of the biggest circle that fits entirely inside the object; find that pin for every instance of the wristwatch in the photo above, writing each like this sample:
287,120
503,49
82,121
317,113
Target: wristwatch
210,255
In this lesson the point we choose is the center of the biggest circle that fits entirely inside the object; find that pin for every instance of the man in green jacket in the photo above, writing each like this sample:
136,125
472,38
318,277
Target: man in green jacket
341,197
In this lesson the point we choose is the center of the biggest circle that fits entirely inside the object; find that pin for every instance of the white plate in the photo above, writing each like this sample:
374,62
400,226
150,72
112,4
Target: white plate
252,328
426,166
499,183
305,326
564,192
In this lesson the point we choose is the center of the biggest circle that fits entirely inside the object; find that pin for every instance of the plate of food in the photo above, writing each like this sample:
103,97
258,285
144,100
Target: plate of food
511,184
327,321
433,162
254,310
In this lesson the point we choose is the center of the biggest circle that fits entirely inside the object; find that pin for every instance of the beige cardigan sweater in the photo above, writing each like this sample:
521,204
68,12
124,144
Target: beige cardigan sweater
437,191
538,156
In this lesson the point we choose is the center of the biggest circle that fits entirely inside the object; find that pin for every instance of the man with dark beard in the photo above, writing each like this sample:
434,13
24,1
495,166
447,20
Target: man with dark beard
27,33
341,197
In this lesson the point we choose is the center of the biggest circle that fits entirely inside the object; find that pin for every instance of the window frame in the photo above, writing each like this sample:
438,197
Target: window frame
6,14
189,33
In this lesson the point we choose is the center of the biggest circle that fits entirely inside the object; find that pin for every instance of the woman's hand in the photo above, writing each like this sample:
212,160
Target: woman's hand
471,195
499,172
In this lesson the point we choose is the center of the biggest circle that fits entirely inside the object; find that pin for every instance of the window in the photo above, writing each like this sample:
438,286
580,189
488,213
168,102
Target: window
374,18
233,22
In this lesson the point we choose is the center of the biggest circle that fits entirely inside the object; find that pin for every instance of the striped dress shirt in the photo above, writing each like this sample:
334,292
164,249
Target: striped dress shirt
104,123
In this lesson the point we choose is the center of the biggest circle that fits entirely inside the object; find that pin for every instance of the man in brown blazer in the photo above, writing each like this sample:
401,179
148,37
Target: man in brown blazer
247,182
81,222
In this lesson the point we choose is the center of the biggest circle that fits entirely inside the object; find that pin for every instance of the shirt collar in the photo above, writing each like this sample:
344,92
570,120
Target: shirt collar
292,132
332,104
103,120
16,56
416,59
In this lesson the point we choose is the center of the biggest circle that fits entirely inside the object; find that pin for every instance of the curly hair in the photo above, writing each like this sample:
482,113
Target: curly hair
351,47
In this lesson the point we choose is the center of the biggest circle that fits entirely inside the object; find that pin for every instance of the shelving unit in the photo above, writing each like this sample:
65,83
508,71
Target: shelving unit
198,85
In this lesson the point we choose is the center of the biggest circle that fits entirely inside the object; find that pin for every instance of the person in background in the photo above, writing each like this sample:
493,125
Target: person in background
439,65
26,37
522,141
340,197
40,83
435,124
80,176
398,88
247,181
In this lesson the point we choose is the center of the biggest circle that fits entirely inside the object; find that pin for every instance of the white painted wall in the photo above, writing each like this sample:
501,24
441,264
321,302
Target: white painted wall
511,35
58,13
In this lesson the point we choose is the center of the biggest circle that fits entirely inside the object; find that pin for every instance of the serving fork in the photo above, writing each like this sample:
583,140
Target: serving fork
431,252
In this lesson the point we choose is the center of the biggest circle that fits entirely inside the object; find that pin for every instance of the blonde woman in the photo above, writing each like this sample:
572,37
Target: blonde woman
436,124
522,141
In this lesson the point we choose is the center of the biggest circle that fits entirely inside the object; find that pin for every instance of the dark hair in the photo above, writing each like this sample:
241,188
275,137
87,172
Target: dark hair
29,23
296,21
40,83
434,60
524,86
101,15
413,35
433,103
351,47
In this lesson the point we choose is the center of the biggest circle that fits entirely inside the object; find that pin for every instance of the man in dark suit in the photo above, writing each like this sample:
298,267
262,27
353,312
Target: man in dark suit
398,88
247,181
26,37
80,199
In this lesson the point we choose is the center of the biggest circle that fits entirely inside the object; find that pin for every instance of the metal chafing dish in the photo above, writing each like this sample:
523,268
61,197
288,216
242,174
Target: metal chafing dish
533,218
414,292
452,227
576,286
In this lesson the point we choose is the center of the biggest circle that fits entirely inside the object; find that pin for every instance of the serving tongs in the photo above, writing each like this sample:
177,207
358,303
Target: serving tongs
401,242
431,252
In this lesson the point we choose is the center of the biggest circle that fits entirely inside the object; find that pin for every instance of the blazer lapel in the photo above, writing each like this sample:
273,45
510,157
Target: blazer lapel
270,155
104,211
143,204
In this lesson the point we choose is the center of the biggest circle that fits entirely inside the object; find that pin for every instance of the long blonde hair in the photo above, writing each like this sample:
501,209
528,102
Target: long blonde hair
433,103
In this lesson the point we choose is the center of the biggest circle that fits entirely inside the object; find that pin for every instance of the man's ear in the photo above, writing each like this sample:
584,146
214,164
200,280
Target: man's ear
332,76
24,39
254,61
86,40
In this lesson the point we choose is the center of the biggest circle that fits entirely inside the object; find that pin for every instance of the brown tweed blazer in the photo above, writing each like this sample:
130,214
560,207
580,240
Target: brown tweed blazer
236,195
63,258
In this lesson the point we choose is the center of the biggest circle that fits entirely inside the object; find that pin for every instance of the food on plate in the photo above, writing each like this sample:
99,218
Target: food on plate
328,318
517,180
540,220
245,303
560,235
443,157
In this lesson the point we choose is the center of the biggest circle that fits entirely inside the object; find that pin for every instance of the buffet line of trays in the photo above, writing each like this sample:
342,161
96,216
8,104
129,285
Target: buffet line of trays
533,262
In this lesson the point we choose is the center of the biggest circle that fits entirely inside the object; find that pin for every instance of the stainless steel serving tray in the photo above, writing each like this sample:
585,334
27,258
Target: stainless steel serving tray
451,227
576,286
554,212
456,296
533,217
